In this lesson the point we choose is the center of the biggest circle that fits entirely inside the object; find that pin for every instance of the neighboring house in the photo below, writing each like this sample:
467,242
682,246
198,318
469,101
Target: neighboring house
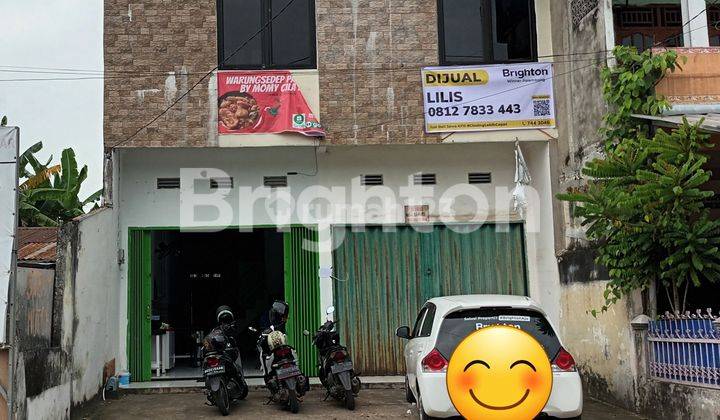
666,371
37,246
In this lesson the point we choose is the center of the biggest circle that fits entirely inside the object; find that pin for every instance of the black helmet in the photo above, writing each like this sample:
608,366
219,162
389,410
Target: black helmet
224,315
279,312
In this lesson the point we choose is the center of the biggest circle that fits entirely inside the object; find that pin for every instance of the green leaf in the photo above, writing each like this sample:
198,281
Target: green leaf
93,197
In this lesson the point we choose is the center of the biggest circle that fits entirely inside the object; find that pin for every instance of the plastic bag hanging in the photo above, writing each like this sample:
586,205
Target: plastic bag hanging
522,179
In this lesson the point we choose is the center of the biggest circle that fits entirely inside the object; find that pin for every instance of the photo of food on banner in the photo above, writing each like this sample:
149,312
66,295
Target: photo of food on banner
267,102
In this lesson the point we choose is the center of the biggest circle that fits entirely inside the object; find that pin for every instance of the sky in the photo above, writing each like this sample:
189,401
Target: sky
54,34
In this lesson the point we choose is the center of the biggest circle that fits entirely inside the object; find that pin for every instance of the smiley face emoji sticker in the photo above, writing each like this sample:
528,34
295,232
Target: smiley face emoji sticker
499,372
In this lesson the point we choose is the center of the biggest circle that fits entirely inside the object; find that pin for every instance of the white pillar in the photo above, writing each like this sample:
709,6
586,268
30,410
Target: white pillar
695,33
325,257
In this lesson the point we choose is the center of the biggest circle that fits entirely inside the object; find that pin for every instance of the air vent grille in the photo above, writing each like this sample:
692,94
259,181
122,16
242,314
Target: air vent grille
371,180
424,179
275,181
168,183
221,183
479,178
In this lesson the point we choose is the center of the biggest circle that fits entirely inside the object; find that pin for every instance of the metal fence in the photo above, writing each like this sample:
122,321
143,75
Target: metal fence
685,349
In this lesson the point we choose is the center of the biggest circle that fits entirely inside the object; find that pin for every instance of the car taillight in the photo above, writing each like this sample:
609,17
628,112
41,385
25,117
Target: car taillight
563,362
434,362
338,356
213,362
283,352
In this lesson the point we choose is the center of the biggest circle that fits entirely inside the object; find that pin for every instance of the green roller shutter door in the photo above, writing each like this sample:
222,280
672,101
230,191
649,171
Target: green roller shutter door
384,277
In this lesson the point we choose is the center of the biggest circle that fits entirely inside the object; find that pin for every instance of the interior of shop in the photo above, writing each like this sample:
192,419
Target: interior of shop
193,273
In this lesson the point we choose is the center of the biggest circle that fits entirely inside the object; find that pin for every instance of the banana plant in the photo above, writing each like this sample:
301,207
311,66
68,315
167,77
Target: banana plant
49,195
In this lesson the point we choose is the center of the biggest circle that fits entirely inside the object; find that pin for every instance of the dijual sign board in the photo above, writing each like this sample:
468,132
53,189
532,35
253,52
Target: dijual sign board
497,97
8,223
263,102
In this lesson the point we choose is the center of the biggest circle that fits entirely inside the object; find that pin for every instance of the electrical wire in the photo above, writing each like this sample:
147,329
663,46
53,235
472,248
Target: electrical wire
101,75
129,74
187,92
315,171
420,114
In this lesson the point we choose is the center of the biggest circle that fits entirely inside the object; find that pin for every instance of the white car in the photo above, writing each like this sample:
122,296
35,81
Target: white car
444,322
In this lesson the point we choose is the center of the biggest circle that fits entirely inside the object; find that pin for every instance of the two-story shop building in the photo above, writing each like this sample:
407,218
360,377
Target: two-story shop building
217,206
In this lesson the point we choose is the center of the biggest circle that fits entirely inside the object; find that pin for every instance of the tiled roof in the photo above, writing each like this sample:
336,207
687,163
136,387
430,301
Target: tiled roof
37,244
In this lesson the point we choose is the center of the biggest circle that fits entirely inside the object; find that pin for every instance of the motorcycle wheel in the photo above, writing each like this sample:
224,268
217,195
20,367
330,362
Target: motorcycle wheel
293,402
222,400
243,390
349,400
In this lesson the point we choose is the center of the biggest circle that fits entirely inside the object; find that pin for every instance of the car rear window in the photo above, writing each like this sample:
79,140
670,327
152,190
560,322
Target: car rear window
458,325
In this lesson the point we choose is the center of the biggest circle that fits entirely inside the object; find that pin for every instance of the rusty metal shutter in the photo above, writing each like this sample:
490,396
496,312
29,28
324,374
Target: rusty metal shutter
384,277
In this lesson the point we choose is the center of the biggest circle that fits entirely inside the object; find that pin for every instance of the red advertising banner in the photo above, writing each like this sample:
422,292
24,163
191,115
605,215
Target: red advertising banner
252,102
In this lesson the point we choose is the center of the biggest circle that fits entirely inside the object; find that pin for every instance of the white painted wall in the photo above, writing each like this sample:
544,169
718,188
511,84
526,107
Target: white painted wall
140,204
52,404
90,315
95,303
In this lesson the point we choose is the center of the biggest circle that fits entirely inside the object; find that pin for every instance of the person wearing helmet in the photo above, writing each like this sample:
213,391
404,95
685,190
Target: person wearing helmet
278,314
226,320
224,316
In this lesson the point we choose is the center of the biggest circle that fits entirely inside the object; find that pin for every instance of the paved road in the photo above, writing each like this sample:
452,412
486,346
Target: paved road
375,403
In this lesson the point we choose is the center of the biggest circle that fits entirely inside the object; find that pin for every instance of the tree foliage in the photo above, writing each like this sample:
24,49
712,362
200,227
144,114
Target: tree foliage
49,194
643,206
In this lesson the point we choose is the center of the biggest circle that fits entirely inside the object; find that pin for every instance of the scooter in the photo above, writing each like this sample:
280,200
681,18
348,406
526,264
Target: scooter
283,377
336,368
222,370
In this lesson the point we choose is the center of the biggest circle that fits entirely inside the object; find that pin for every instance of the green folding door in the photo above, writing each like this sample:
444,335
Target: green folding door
139,305
302,291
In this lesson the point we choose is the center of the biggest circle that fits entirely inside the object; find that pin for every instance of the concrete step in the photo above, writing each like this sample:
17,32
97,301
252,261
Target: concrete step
255,384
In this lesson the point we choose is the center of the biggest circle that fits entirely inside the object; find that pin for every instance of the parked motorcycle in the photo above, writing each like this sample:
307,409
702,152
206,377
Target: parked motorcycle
222,368
283,377
336,368
278,360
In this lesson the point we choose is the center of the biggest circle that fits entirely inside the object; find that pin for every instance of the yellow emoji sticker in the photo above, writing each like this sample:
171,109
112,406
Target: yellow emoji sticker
499,372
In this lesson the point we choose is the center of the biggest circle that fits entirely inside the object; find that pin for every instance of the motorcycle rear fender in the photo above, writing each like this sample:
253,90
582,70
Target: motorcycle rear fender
345,379
213,383
290,383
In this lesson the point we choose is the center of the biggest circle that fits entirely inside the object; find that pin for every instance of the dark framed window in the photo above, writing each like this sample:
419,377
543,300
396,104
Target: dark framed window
429,320
287,42
486,31
418,323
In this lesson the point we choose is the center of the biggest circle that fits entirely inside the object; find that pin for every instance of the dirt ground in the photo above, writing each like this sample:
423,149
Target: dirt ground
372,403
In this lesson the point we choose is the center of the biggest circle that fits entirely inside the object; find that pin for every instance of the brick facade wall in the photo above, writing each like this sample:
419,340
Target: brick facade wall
370,54
148,46
369,58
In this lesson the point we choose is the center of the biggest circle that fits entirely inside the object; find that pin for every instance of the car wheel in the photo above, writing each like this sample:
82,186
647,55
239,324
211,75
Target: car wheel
409,397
